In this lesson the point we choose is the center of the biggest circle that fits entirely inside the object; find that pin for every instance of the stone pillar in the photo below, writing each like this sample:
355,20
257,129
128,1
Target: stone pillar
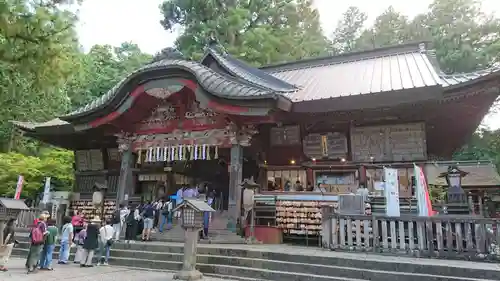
127,164
189,271
235,179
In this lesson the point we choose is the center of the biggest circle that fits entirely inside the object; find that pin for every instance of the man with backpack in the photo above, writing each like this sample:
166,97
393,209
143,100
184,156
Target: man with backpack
37,239
166,215
148,214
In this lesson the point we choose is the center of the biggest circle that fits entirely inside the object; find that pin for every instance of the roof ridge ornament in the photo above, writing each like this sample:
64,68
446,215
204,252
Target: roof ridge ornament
213,44
168,53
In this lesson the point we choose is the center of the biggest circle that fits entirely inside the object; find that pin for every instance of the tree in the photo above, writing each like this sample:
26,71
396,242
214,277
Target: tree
465,38
100,69
348,30
483,145
37,47
390,28
260,32
54,163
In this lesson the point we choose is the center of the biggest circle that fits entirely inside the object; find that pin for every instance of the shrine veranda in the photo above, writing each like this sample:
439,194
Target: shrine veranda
333,122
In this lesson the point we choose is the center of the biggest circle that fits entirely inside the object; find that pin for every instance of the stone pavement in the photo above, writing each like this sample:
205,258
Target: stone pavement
73,272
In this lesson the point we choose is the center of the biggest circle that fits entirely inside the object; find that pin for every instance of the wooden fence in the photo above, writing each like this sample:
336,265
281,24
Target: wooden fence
26,218
471,238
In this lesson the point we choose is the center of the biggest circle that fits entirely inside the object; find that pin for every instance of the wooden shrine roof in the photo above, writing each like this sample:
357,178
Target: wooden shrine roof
217,84
394,69
479,174
379,78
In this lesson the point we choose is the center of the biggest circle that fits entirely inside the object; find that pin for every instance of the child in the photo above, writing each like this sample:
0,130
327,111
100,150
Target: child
79,239
106,234
48,247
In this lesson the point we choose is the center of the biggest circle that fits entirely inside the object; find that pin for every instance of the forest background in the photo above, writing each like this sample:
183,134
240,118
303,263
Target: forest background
44,71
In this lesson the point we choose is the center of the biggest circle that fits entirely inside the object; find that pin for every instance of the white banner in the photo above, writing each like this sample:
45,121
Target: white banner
391,192
46,191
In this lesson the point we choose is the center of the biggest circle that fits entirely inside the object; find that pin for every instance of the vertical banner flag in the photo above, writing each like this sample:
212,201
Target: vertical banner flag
424,205
46,191
19,187
391,192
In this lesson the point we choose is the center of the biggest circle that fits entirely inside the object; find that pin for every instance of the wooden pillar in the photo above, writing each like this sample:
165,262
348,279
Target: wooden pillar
235,179
126,175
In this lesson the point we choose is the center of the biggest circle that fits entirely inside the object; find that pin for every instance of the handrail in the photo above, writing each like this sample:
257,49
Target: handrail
439,236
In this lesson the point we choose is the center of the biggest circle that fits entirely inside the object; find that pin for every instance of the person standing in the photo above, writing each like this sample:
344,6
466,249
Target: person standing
90,243
77,222
105,242
50,244
117,222
79,240
166,215
148,215
158,205
132,222
66,240
37,238
8,235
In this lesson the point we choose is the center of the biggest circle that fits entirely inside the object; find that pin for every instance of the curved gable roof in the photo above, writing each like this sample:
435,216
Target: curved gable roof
248,73
220,85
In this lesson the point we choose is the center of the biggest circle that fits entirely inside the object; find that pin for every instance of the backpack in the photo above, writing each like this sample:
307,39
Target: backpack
165,208
149,212
37,236
116,217
130,218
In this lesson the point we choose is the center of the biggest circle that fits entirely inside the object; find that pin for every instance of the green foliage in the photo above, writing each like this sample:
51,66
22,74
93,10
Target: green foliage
464,37
43,74
259,32
484,145
100,69
56,163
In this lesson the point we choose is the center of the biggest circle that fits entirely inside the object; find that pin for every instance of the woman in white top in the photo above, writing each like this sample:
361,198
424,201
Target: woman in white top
106,233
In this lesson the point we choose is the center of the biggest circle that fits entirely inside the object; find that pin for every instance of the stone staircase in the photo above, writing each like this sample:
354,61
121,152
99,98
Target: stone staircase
217,233
287,263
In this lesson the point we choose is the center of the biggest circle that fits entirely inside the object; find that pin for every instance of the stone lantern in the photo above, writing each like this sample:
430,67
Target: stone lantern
454,180
9,209
192,211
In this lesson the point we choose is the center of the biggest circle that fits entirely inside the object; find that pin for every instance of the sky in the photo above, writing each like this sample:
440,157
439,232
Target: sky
116,21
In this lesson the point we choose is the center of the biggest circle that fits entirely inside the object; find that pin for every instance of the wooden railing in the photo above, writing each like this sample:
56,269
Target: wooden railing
441,236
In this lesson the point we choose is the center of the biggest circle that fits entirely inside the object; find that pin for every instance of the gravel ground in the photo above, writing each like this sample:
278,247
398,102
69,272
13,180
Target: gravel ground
73,272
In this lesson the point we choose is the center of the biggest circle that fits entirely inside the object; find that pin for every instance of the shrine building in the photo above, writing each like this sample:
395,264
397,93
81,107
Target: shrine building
332,122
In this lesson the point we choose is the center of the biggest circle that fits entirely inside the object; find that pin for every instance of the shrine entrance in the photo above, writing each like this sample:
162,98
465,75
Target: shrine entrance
182,142
177,118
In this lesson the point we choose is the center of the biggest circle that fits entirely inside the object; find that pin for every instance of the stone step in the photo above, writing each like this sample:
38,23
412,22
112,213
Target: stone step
218,264
225,271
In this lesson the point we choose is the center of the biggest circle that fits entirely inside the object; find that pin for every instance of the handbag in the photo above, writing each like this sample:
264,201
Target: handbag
109,242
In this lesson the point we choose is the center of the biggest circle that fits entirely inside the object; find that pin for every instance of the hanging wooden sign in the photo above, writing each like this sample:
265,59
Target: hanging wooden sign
169,117
285,135
402,142
332,145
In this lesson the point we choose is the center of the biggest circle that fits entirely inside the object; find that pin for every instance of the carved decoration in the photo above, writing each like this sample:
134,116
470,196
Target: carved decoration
404,142
124,141
168,117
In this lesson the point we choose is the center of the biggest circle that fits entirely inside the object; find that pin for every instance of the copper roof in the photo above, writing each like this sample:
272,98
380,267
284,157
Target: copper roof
478,174
376,71
248,73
